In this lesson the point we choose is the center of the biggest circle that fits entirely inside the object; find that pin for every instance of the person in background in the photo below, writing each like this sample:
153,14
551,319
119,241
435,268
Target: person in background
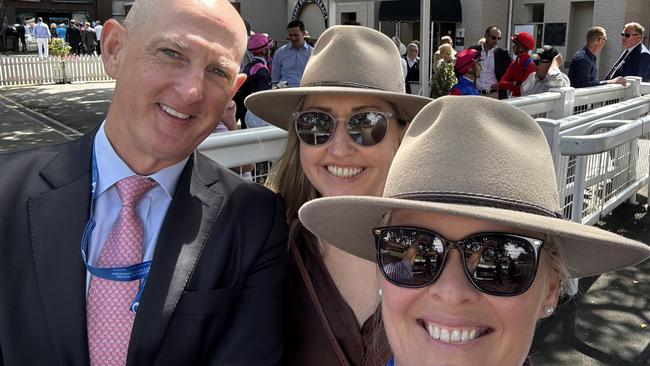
61,30
495,63
42,35
412,66
444,76
345,123
583,71
444,40
53,32
547,74
468,69
98,37
522,66
258,74
498,251
88,39
289,61
73,37
20,29
447,55
635,59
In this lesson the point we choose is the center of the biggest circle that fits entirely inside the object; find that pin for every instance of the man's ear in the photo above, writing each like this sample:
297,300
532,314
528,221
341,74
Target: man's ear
113,43
239,80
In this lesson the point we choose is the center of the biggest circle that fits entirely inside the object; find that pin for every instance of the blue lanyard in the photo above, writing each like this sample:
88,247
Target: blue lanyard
133,272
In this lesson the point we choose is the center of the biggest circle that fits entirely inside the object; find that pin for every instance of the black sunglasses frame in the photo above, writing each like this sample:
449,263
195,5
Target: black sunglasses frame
628,35
387,116
536,244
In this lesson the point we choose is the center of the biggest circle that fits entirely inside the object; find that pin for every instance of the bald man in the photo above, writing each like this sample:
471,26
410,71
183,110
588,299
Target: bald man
128,246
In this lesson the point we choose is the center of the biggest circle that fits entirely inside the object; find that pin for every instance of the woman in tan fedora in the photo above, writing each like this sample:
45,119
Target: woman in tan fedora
476,177
345,123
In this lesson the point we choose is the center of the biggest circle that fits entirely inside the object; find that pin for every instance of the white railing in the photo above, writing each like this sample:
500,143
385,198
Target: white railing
611,163
33,70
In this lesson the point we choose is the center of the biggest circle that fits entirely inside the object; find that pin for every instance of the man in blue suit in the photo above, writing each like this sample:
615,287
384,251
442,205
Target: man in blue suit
635,59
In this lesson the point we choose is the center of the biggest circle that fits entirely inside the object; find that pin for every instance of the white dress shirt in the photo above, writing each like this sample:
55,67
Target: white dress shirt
488,76
151,209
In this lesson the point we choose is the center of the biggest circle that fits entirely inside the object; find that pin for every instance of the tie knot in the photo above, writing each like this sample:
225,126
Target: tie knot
131,189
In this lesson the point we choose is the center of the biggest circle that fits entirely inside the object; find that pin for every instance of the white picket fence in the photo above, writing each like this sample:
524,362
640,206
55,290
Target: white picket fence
33,70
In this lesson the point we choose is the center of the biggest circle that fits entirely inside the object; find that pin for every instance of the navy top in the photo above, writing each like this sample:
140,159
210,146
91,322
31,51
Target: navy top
583,71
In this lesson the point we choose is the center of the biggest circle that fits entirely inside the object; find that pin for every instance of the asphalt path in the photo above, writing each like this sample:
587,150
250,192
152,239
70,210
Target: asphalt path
607,323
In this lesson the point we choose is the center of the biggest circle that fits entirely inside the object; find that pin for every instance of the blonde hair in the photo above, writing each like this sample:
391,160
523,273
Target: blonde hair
446,49
636,26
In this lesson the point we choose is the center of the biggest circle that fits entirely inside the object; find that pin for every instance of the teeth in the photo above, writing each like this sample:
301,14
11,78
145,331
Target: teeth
343,172
169,110
452,335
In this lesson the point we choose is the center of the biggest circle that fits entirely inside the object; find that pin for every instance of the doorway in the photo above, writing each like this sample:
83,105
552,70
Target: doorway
581,19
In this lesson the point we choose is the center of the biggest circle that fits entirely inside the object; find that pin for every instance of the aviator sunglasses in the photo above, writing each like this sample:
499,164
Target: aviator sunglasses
497,264
367,128
628,35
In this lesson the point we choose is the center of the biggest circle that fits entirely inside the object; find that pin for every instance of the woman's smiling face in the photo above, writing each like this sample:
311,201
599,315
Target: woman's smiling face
450,322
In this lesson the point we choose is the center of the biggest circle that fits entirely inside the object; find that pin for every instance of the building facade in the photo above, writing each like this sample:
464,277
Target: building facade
560,23
58,11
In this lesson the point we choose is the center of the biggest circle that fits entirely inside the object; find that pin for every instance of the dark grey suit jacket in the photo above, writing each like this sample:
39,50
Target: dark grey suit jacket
213,296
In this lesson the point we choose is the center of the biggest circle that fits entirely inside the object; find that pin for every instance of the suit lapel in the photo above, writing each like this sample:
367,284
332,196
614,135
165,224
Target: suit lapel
186,227
57,219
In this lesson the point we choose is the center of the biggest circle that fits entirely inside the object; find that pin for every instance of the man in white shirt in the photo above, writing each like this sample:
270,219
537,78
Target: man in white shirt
548,74
495,63
128,246
98,33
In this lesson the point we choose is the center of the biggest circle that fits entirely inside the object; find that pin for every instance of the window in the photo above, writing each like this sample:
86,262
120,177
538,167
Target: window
348,17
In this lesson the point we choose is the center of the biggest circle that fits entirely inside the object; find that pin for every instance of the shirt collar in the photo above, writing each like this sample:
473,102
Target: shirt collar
111,168
633,47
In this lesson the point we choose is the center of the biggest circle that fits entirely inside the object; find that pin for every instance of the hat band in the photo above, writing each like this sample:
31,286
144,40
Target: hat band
345,84
475,199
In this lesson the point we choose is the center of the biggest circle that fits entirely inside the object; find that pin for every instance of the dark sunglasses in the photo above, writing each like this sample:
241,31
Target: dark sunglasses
495,38
628,35
365,128
495,263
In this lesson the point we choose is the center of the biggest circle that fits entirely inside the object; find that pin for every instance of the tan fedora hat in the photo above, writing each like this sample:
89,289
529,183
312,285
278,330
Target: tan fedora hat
346,60
478,158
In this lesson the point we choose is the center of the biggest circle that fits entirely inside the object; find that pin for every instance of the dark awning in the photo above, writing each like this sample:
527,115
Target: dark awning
409,11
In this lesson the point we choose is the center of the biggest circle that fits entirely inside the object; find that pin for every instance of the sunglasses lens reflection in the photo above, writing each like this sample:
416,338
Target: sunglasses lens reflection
314,128
497,264
503,265
365,128
410,257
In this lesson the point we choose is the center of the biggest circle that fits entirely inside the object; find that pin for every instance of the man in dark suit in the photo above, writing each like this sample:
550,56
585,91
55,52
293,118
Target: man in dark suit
635,59
215,244
73,37
495,61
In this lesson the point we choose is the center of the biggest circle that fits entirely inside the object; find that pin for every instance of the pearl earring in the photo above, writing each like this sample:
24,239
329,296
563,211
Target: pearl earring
380,292
549,310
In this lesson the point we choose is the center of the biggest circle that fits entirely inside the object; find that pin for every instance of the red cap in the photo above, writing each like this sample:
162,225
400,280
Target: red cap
524,39
465,59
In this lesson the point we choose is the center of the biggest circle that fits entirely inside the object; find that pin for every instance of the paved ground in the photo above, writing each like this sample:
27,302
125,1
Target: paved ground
608,325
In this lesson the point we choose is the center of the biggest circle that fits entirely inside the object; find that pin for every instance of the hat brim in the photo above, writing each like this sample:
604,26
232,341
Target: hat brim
347,223
277,106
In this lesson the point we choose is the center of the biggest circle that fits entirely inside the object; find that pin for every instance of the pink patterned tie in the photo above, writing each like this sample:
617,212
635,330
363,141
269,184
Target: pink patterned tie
110,319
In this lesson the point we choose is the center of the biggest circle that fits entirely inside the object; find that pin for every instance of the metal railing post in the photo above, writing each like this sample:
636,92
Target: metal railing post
634,89
563,107
578,189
